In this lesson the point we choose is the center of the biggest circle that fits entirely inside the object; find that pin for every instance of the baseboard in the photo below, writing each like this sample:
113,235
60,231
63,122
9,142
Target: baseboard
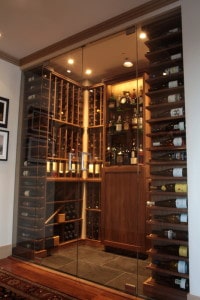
191,297
5,251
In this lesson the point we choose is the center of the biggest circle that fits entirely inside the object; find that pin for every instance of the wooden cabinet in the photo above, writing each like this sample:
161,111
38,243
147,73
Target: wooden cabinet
166,161
123,207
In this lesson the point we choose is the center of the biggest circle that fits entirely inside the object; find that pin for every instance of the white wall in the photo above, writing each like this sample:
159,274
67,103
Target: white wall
10,77
191,54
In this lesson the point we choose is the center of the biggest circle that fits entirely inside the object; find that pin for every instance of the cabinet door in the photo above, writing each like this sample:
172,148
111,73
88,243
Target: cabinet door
123,209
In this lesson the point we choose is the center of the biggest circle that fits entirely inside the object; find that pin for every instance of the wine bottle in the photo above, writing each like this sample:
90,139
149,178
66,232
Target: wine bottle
120,156
133,159
97,168
171,187
175,172
126,156
135,121
172,126
177,250
172,281
176,142
172,218
178,203
171,156
118,125
172,234
179,266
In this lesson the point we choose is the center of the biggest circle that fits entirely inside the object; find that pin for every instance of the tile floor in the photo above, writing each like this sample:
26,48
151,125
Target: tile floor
99,266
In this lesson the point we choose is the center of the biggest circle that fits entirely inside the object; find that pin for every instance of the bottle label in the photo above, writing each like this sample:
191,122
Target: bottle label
181,203
182,266
181,282
179,126
170,234
118,127
181,187
174,98
183,251
172,84
177,172
27,193
183,218
177,141
176,112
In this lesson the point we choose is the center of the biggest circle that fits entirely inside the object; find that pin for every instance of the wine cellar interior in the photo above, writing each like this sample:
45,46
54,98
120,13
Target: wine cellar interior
103,167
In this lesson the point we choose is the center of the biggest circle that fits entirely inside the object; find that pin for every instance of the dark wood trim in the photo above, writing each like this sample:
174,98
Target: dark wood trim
9,58
97,29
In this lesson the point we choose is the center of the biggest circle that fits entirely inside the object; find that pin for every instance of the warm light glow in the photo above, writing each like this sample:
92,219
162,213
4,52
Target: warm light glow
70,61
127,63
88,71
69,71
143,35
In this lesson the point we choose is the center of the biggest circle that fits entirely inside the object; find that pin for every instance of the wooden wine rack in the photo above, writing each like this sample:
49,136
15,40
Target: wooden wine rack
51,174
166,93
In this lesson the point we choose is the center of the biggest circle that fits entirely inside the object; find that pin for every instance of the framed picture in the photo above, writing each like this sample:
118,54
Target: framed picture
4,137
4,104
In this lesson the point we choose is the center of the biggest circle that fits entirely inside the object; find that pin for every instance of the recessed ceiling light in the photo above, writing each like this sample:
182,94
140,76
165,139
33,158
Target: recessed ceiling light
70,61
69,71
88,71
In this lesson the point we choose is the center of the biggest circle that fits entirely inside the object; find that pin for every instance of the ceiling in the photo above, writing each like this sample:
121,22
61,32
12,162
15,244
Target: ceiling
29,26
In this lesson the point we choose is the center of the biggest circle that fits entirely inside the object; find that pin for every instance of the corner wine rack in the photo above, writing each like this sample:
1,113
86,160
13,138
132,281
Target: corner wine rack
166,161
51,184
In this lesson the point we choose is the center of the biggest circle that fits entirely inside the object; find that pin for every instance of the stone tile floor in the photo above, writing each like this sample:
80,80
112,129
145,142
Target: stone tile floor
99,266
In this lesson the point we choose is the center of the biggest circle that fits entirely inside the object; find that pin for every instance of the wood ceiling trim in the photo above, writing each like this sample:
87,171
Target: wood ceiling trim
9,58
97,29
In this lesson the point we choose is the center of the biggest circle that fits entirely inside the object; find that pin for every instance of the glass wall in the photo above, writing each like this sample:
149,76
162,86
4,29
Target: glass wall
86,159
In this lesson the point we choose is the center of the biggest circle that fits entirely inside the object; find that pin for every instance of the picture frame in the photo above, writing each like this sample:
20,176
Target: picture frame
4,105
4,138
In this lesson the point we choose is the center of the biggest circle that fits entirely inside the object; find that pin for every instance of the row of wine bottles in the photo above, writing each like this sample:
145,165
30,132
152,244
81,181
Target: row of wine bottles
63,169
